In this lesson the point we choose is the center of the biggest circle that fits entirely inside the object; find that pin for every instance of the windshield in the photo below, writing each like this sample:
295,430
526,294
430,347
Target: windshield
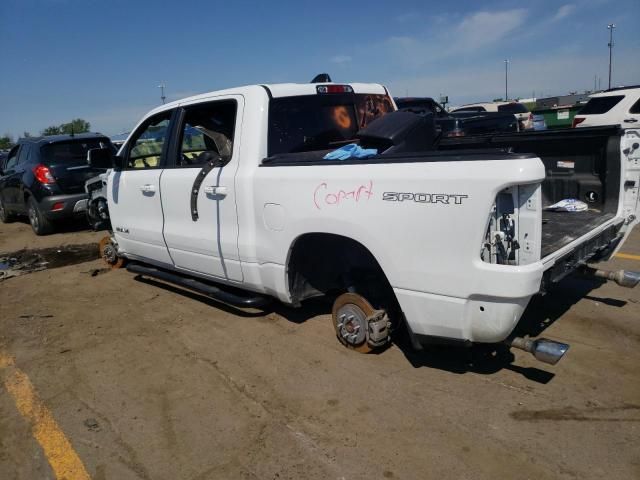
513,108
72,151
321,122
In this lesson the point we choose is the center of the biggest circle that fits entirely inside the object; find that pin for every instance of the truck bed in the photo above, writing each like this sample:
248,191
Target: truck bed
580,163
561,228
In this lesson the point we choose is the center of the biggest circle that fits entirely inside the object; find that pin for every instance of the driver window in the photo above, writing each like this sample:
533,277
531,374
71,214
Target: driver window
145,149
207,130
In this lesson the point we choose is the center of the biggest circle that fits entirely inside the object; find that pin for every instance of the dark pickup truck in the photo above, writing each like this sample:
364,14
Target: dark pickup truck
459,124
43,178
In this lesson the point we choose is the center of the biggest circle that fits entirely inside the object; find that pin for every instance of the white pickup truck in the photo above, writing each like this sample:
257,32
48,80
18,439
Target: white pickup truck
228,193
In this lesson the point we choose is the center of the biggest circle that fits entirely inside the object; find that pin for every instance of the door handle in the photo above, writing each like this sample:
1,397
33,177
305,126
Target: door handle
630,120
212,190
148,188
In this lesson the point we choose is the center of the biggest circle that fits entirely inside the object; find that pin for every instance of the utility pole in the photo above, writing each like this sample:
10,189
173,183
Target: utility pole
611,26
506,80
162,97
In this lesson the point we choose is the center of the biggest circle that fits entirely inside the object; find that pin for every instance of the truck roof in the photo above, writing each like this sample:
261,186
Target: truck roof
275,90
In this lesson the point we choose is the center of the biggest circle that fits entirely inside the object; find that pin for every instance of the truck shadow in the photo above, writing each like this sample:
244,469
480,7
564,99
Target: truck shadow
479,359
541,313
544,310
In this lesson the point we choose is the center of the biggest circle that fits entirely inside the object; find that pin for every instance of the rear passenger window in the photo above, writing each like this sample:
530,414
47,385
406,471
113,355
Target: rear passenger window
207,131
600,105
635,108
23,155
470,109
513,108
12,159
145,148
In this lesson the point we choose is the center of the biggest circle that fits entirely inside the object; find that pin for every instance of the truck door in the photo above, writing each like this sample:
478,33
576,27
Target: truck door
134,192
204,239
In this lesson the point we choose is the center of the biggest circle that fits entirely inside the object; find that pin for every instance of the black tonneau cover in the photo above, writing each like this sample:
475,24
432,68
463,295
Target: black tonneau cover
316,158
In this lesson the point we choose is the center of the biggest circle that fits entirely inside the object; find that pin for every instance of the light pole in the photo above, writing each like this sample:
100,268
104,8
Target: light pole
162,97
506,80
611,26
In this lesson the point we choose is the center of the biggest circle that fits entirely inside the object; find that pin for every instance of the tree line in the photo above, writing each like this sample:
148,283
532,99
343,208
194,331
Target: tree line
77,125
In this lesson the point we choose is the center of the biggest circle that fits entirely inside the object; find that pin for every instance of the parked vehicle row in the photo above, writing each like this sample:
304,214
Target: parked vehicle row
230,194
521,112
460,123
43,178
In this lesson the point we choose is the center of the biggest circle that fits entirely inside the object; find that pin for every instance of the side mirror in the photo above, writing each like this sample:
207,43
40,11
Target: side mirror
100,158
118,162
104,158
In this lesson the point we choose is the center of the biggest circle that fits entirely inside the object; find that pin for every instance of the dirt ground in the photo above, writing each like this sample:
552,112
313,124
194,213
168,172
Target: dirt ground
150,382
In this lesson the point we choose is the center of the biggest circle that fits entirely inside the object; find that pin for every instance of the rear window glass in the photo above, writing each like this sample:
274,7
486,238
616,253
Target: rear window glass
470,109
321,122
72,151
599,105
513,108
420,105
635,108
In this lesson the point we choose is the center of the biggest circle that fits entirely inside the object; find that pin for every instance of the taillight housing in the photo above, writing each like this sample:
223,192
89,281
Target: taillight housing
43,174
576,121
513,229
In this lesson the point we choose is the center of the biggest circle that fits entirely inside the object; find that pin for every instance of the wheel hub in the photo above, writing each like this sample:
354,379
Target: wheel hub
351,324
109,253
358,325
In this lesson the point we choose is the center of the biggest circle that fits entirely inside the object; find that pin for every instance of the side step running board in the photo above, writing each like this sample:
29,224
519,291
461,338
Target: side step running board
255,301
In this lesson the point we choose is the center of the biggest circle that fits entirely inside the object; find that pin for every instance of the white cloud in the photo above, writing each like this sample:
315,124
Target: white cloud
448,38
484,28
563,11
341,59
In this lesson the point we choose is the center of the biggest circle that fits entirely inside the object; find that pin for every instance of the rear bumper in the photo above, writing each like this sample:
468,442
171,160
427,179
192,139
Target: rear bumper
65,205
480,318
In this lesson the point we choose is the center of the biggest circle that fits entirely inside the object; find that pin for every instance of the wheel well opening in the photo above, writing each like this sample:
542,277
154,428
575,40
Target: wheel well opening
322,263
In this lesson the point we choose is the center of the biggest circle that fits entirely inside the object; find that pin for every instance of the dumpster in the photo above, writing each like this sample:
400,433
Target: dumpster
558,117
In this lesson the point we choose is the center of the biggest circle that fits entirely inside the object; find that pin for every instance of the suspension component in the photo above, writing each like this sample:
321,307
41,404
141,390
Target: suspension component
109,253
358,325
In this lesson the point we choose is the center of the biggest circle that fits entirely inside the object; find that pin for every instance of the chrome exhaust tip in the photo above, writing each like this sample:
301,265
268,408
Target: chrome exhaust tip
624,278
545,350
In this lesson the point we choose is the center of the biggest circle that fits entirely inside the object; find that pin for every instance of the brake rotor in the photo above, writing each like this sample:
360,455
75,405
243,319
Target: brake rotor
109,253
350,313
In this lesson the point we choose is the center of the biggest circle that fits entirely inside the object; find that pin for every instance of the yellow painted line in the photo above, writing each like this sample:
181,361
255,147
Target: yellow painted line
628,256
63,459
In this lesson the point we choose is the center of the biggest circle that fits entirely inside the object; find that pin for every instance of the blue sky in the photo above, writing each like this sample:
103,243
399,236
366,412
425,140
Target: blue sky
102,60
